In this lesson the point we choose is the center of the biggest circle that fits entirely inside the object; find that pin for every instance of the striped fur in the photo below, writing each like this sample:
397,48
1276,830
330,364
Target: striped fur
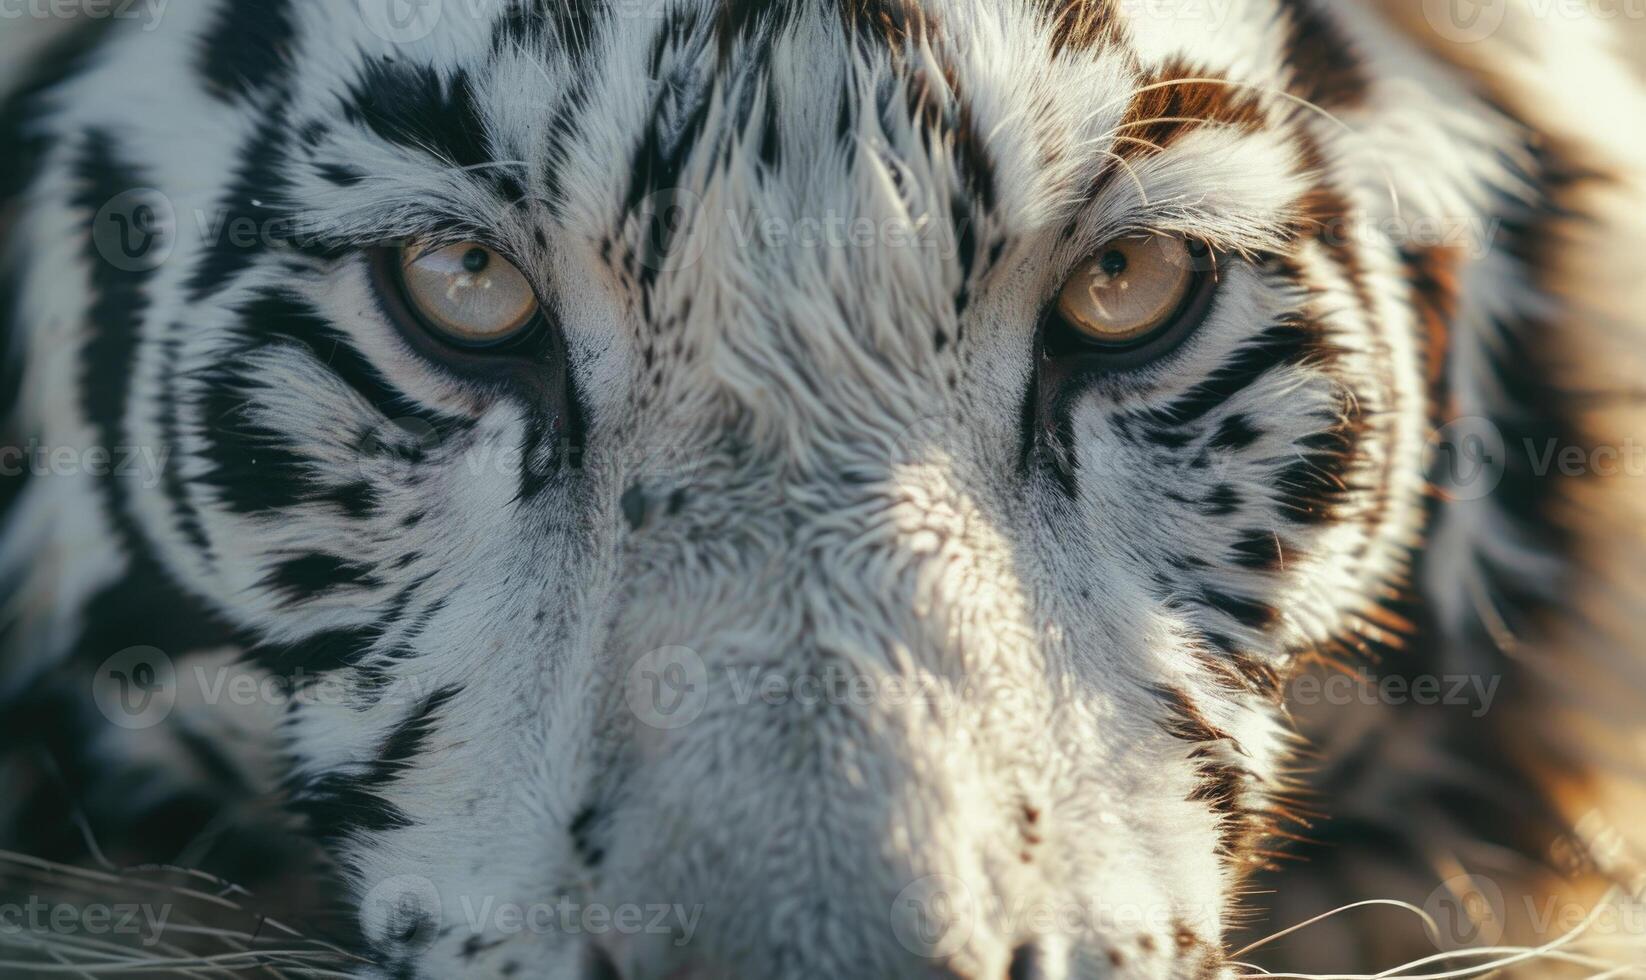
793,430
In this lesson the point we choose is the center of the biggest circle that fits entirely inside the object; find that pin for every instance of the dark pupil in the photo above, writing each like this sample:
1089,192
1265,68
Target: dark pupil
1113,263
476,259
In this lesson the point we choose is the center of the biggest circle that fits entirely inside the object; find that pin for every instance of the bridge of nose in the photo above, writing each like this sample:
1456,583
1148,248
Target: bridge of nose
853,772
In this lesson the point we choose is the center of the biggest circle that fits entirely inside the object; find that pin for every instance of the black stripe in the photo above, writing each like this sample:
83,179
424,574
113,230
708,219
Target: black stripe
584,842
1285,343
1235,432
656,167
251,215
1222,501
740,21
322,653
23,112
1310,490
409,739
1247,612
146,608
248,47
571,24
1325,65
339,805
280,317
340,174
172,485
310,576
256,467
119,300
413,107
1260,550
356,500
252,466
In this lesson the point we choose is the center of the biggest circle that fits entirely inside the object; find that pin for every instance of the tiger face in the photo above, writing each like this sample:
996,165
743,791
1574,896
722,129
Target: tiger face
847,480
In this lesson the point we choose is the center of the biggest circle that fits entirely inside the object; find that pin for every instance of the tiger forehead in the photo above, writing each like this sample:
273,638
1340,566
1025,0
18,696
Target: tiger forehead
857,123
800,51
591,109
860,110
916,78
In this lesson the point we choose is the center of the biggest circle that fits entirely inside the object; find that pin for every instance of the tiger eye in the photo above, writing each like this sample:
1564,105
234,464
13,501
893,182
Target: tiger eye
1130,289
468,293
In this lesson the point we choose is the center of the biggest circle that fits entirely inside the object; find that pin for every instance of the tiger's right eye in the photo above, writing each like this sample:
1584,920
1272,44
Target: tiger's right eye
1130,290
467,294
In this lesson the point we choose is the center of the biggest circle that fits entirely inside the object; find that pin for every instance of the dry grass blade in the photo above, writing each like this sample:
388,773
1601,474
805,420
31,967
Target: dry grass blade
271,948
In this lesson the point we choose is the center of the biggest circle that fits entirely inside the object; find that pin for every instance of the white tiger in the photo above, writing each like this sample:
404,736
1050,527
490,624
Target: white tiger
834,487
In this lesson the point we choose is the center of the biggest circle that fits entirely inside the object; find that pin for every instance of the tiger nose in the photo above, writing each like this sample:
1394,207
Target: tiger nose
1028,963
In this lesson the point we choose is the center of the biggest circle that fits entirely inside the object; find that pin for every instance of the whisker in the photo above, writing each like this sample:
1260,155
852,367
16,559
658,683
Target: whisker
1142,192
1552,950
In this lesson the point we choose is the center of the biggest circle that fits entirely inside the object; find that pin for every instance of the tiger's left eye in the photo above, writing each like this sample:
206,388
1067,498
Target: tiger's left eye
1134,290
467,293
